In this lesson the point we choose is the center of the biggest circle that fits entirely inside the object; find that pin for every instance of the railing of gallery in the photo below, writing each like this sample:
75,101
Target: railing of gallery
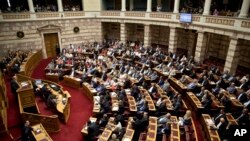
240,24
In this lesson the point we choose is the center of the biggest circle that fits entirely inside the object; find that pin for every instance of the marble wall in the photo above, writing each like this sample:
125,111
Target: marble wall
90,30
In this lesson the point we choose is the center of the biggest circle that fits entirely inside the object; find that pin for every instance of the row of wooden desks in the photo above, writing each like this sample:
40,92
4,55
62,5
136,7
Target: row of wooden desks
175,130
131,101
108,130
195,102
72,81
235,102
177,85
211,134
152,129
39,133
128,136
151,105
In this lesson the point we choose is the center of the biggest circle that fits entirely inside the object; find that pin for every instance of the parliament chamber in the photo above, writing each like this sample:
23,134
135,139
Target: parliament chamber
124,70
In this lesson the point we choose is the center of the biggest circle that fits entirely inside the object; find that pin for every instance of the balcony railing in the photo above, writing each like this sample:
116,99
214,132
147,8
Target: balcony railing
231,23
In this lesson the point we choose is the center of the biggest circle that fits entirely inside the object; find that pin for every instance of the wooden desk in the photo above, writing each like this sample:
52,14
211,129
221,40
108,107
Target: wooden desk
40,133
131,101
107,132
151,105
216,103
89,90
175,131
72,81
195,102
52,77
231,120
181,88
211,135
129,131
160,72
33,59
152,129
63,101
235,102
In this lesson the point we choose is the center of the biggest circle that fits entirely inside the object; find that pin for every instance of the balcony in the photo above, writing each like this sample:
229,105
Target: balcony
218,22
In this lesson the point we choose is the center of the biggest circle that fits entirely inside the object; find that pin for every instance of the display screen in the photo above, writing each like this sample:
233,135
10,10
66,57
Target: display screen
185,18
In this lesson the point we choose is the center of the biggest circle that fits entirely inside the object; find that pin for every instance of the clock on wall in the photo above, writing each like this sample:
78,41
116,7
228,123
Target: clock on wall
20,34
76,29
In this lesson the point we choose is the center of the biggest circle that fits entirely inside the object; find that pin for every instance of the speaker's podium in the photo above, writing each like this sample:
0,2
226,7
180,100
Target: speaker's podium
26,97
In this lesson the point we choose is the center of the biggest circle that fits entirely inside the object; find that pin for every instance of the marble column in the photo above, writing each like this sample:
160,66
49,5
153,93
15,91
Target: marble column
207,6
31,6
200,47
244,9
123,5
149,5
82,5
172,46
176,6
59,5
123,33
147,38
131,5
233,55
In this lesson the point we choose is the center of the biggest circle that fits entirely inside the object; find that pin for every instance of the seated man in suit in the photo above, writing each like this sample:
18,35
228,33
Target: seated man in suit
243,119
164,119
207,103
221,127
193,85
217,117
93,131
201,93
242,97
232,89
103,121
216,90
164,129
226,102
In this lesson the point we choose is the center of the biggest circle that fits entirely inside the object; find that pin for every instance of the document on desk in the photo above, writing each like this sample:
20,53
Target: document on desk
210,122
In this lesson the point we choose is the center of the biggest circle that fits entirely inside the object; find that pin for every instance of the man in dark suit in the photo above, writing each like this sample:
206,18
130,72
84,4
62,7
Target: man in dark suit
207,104
93,131
103,121
221,127
26,132
14,86
165,129
242,97
216,118
243,119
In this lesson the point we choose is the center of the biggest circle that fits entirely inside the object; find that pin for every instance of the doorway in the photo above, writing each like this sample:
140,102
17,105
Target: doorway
51,41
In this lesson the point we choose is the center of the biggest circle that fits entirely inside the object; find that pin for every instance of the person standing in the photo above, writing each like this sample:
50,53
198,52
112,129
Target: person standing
14,86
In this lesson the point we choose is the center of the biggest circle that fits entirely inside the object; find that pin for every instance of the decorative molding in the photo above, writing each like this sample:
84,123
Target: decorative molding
134,14
245,24
20,34
76,29
160,15
16,16
221,21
